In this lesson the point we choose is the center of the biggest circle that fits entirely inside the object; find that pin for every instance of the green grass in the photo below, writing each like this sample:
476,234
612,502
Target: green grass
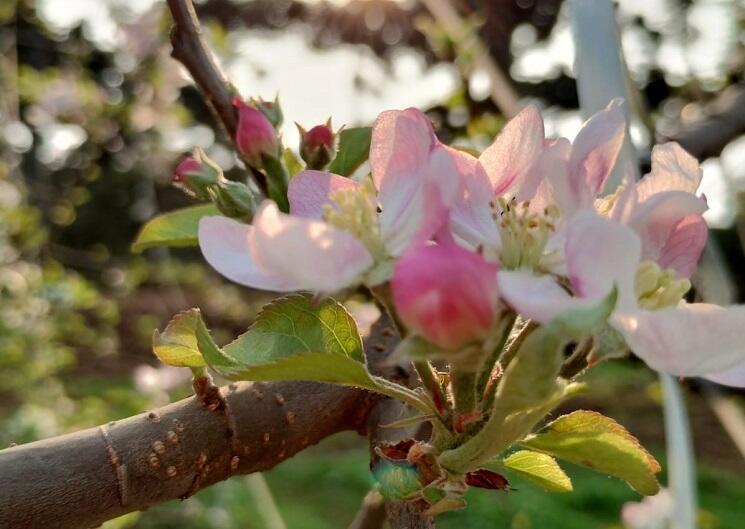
322,488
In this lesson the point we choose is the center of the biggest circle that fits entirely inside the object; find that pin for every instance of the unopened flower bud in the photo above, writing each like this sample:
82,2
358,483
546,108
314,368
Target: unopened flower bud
271,109
317,145
255,136
196,173
234,199
446,294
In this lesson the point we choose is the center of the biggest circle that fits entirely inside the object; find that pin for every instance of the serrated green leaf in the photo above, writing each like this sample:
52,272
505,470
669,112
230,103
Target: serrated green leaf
319,367
175,228
177,345
295,324
354,149
592,440
541,469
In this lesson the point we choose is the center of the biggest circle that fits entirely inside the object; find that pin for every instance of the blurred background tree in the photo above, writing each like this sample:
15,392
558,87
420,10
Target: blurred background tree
94,115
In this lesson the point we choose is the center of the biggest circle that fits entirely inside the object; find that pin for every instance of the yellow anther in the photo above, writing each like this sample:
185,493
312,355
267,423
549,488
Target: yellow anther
657,288
356,211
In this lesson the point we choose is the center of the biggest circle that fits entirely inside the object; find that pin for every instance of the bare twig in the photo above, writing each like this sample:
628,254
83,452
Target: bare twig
372,512
502,93
189,50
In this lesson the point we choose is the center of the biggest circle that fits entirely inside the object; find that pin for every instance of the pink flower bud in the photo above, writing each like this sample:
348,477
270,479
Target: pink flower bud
319,136
317,145
446,294
186,166
255,136
195,174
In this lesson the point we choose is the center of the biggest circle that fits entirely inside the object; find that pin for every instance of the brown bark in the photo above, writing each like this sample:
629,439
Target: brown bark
82,479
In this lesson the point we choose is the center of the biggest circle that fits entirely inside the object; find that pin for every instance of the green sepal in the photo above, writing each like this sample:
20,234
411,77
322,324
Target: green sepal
354,149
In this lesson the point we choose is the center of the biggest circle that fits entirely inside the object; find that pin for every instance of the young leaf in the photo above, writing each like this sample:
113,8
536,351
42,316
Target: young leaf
354,149
592,440
541,469
177,345
295,324
293,338
175,228
530,386
292,162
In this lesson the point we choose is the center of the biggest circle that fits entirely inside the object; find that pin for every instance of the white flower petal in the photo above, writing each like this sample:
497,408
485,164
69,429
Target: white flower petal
695,339
226,245
316,255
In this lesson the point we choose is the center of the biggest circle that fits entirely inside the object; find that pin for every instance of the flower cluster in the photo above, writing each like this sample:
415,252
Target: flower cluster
524,228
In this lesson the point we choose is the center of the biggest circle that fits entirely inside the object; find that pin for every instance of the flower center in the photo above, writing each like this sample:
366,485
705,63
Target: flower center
657,288
524,233
356,211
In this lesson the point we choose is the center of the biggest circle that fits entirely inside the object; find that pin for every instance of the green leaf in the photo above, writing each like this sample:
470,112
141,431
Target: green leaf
592,440
354,149
292,162
293,338
541,469
175,228
294,324
177,345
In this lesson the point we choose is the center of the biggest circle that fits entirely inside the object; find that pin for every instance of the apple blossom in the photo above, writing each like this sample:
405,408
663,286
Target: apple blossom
684,339
341,232
446,294
515,192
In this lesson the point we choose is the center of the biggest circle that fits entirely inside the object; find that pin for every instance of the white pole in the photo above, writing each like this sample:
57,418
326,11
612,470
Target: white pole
599,70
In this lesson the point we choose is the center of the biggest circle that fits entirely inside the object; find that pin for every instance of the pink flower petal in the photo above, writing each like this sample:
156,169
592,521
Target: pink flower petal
599,254
401,144
471,214
225,244
734,376
537,297
415,206
312,253
673,169
309,191
595,151
515,150
695,339
655,218
446,294
547,183
684,245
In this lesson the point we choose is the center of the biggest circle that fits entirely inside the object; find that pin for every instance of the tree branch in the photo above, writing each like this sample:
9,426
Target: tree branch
725,121
80,480
189,50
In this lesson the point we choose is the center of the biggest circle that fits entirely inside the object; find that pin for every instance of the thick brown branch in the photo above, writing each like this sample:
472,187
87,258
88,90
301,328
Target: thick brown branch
82,479
79,480
189,50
